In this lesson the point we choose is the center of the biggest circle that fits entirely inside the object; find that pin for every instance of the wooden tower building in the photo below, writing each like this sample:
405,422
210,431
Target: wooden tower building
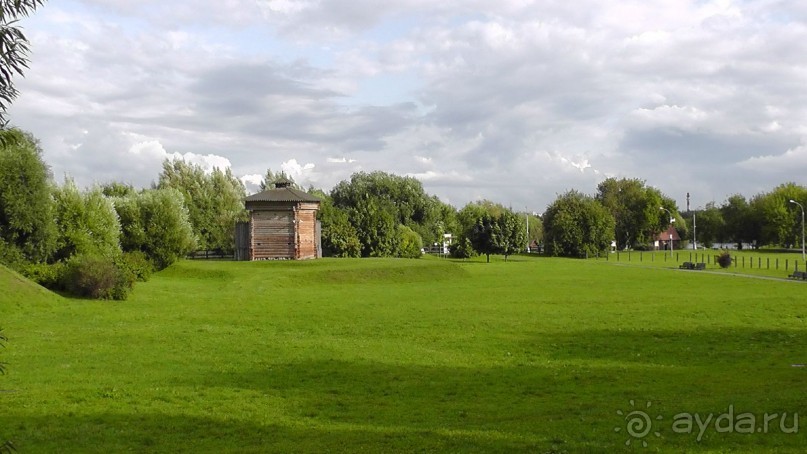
282,225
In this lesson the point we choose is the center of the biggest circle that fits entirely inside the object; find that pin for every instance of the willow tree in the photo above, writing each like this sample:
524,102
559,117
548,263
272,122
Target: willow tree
14,48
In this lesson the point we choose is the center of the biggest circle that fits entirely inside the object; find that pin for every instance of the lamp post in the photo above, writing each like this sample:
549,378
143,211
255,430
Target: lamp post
802,227
672,219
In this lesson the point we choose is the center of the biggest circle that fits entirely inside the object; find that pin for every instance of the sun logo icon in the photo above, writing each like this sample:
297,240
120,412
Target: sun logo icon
638,424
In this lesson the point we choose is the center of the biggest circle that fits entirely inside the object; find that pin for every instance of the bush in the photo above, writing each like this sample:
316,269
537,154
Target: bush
97,277
11,255
48,275
410,245
724,259
136,265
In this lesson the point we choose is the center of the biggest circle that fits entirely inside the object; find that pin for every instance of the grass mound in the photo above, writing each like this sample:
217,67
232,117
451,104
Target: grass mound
385,272
16,289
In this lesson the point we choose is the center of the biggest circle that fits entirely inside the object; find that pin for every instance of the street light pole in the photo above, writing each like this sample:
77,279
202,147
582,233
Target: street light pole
802,227
672,219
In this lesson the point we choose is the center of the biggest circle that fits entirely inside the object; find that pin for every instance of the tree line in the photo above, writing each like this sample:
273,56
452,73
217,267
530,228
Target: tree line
98,241
632,214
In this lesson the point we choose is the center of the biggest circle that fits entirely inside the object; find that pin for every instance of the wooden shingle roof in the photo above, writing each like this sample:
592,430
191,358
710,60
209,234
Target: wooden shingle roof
283,194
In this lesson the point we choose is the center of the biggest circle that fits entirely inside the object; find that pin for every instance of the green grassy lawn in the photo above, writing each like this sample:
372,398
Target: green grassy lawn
385,355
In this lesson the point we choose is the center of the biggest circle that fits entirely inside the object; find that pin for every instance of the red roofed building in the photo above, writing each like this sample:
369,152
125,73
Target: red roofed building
664,239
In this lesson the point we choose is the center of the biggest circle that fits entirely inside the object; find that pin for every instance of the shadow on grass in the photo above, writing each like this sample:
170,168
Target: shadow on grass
558,393
117,432
766,348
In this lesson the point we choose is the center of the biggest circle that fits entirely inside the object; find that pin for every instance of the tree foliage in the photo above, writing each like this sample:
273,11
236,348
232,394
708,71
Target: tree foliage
709,225
512,233
26,206
410,244
779,220
739,223
14,49
490,228
156,222
269,179
376,203
214,201
339,237
87,223
635,209
576,225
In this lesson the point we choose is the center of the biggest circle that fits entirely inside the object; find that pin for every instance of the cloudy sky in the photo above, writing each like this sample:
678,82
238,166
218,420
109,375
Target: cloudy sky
511,100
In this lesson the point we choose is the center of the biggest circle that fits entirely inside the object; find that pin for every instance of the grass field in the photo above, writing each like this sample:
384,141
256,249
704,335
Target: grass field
384,355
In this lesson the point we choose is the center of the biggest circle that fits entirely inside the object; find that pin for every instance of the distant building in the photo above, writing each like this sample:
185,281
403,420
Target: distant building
664,239
282,225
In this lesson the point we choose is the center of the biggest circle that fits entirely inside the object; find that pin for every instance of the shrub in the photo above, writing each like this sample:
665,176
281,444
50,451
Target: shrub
410,244
724,259
96,277
48,275
136,264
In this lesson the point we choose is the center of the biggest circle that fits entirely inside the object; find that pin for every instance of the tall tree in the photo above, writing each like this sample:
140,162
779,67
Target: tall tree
168,234
709,225
377,202
270,178
635,209
576,225
740,225
87,223
780,220
214,201
513,233
485,235
26,206
339,237
14,49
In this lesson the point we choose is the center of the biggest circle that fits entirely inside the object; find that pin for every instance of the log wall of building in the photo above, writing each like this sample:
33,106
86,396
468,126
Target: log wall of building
273,235
306,234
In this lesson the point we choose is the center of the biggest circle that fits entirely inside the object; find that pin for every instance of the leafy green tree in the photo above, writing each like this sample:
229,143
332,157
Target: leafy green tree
117,189
739,221
26,206
512,233
576,225
780,220
167,232
227,208
339,237
87,223
14,47
377,202
133,232
214,201
709,224
485,235
489,228
635,209
269,179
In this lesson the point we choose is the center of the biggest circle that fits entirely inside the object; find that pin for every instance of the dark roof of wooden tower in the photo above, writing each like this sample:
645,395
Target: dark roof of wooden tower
282,192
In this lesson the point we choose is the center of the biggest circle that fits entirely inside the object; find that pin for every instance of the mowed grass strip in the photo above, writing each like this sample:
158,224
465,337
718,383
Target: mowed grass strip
430,355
